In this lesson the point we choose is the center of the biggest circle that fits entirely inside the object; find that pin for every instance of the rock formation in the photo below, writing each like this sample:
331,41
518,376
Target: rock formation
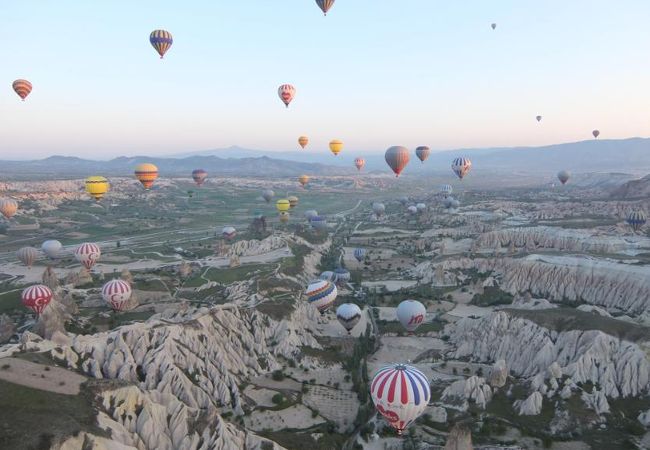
7,328
472,389
532,406
460,438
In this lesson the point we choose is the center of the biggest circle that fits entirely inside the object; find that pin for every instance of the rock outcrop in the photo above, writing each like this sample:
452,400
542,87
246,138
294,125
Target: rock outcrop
472,389
254,247
7,328
499,374
460,438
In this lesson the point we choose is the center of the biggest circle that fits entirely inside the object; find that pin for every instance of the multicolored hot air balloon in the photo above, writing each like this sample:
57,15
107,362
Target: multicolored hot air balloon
286,92
379,209
397,157
461,166
8,207
336,146
422,152
538,118
325,5
161,40
117,294
596,133
446,190
328,275
563,176
348,315
400,393
37,297
321,294
284,216
359,254
87,254
411,314
22,88
303,141
359,163
293,201
229,233
51,248
27,255
268,195
199,176
303,180
97,187
636,219
146,173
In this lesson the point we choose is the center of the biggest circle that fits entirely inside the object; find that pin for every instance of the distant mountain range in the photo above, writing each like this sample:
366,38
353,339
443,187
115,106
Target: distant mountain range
630,156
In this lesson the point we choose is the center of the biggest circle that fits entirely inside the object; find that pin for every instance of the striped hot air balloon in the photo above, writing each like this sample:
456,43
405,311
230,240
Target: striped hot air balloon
293,201
400,393
117,294
229,233
303,141
397,157
282,205
22,87
422,152
321,294
87,254
359,254
146,173
286,92
636,219
303,180
348,315
36,297
8,207
27,255
199,176
461,166
161,40
446,190
359,163
336,146
97,187
325,5
411,314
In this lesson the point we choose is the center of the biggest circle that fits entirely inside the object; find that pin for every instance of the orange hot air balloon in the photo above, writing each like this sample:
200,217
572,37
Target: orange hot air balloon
397,158
359,163
303,179
146,173
22,88
303,141
336,146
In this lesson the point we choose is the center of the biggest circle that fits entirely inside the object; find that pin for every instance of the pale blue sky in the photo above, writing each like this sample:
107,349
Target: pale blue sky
373,73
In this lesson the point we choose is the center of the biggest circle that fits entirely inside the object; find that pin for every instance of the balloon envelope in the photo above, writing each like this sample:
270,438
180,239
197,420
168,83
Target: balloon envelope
303,180
595,133
348,315
325,5
27,255
359,254
229,232
22,87
97,187
321,294
461,166
563,176
303,141
282,205
8,207
359,163
539,118
146,174
268,195
36,297
397,157
199,176
422,153
636,219
336,146
87,254
379,209
51,248
310,214
161,41
293,201
411,314
286,92
117,294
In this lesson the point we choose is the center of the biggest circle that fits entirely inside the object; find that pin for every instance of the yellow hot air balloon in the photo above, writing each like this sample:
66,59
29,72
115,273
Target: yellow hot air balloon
282,205
303,141
303,179
293,201
146,173
336,146
97,187
284,217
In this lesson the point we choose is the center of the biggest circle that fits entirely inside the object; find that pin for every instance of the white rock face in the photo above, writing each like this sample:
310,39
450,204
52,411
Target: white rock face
621,368
255,247
499,374
472,389
532,406
596,401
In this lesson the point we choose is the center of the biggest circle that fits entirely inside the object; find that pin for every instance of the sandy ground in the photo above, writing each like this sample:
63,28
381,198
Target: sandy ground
261,396
267,382
391,285
54,379
470,310
403,349
341,406
297,417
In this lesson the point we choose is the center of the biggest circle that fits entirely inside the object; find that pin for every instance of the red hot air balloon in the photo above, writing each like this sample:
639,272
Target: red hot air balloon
87,254
199,176
36,298
359,163
117,294
22,88
286,92
422,153
397,158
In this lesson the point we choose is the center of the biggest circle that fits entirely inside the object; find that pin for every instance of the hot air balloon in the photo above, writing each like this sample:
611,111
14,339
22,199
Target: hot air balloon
494,26
87,254
538,118
284,217
51,248
397,158
37,297
161,40
97,187
349,315
342,275
303,180
379,209
328,275
8,207
22,88
359,163
286,92
268,195
336,146
310,214
411,314
117,294
325,5
412,210
446,190
421,207
283,205
229,233
293,201
27,255
303,141
455,203
461,166
596,133
404,200
636,219
199,176
359,254
422,152
146,173
400,394
318,223
321,294
563,176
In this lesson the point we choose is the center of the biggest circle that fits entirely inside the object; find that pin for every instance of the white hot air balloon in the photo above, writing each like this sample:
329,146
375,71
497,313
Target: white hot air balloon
411,314
349,315
51,248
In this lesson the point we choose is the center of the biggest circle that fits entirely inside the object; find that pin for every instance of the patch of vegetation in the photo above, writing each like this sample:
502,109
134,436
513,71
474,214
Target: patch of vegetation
492,296
277,309
301,440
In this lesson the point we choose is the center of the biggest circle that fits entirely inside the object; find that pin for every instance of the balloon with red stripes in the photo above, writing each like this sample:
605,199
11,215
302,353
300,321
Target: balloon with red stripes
87,254
23,88
286,92
36,297
117,294
400,393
